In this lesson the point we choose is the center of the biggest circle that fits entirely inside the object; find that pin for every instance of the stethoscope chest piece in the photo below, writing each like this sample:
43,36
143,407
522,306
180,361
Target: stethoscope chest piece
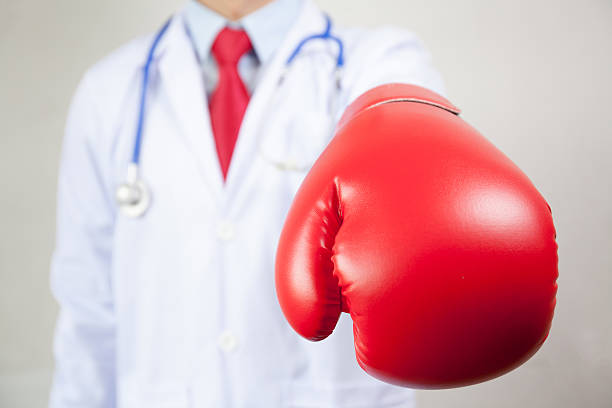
133,198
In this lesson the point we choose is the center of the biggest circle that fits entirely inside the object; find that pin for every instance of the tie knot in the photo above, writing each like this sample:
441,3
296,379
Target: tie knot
230,45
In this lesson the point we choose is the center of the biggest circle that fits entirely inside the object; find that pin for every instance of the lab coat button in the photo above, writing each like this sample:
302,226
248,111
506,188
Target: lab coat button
228,341
225,231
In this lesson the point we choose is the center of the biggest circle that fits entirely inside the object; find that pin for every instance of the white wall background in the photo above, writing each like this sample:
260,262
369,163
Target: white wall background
535,76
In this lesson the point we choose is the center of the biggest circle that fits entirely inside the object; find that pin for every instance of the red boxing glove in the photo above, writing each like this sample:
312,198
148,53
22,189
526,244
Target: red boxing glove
439,247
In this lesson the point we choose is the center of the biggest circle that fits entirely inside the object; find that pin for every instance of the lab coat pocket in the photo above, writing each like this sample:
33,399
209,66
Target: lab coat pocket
294,143
378,395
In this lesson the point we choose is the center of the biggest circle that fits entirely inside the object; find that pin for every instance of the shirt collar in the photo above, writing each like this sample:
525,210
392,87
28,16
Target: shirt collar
267,27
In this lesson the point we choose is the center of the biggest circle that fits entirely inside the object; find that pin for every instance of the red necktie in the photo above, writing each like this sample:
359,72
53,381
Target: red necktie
230,98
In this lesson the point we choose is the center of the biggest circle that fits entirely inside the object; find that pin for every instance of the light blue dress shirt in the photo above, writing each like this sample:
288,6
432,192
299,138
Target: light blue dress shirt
266,27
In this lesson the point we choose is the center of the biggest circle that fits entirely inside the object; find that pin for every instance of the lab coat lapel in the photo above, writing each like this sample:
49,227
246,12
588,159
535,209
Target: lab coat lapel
182,81
310,21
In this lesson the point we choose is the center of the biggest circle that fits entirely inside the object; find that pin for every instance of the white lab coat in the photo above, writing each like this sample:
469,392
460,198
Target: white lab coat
178,308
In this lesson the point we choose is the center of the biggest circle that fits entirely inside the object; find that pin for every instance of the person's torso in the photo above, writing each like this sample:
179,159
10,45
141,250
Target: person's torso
198,322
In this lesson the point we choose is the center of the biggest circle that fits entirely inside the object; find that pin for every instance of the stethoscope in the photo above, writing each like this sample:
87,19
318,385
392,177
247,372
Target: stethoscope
133,196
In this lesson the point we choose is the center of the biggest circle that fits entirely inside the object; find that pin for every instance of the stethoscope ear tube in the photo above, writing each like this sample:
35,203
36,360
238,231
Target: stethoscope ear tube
325,35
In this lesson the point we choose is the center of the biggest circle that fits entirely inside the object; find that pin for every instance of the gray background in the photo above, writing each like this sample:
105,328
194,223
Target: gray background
533,75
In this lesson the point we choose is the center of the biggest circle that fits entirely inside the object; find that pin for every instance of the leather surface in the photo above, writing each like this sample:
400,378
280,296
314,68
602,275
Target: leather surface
439,247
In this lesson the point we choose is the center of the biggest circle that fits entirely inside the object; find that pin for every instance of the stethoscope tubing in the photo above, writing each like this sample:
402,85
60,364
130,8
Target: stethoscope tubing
325,35
133,195
143,92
